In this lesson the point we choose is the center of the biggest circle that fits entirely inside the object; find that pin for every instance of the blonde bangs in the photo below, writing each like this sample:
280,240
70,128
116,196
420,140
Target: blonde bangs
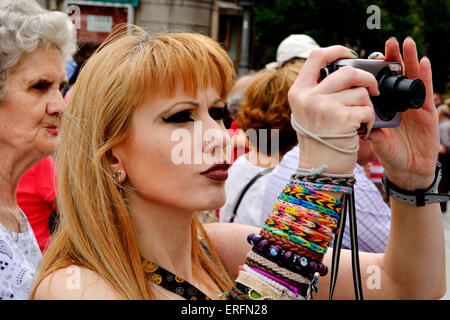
191,61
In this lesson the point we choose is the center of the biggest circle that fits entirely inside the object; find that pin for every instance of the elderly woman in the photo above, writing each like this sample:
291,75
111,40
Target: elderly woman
129,227
34,44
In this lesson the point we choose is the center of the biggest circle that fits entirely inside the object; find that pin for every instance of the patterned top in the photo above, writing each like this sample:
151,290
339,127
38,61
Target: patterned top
373,215
19,258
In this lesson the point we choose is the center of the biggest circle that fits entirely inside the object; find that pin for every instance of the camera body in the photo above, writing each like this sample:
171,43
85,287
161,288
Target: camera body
397,92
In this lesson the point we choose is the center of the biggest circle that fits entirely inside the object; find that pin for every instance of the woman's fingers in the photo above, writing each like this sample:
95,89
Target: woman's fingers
348,77
358,96
376,56
410,59
392,50
309,75
427,78
363,115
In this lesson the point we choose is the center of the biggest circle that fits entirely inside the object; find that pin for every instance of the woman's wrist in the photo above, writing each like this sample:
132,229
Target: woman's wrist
410,181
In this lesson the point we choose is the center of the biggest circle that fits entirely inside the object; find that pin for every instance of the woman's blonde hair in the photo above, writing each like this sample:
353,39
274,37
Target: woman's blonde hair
96,230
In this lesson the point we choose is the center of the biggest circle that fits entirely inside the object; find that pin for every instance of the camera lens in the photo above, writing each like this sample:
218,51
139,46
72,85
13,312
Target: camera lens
411,92
401,93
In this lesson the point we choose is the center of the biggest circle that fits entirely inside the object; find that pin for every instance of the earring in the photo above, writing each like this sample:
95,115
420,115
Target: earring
117,176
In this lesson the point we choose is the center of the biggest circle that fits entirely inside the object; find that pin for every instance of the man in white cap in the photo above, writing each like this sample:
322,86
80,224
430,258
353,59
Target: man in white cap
294,46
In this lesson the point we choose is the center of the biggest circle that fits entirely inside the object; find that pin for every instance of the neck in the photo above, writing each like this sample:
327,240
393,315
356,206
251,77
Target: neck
164,235
12,169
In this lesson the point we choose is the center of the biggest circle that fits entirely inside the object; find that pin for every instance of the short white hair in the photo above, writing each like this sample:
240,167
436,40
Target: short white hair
24,27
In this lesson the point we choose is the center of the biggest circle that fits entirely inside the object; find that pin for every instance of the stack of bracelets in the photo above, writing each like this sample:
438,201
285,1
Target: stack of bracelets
286,259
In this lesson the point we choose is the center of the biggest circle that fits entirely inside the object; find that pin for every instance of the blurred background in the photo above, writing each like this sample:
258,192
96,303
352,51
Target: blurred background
250,30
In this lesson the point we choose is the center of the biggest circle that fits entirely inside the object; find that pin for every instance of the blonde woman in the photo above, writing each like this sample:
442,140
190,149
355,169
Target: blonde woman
124,198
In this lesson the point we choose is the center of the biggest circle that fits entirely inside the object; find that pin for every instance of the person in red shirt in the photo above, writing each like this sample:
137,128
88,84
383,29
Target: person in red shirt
36,195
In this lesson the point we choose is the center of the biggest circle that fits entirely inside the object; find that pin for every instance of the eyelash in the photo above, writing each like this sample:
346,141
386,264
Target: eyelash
185,116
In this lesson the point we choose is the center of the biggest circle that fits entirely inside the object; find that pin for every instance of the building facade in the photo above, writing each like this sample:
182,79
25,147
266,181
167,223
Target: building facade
221,20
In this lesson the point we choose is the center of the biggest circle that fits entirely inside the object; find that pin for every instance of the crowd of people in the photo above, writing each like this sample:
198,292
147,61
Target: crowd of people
91,182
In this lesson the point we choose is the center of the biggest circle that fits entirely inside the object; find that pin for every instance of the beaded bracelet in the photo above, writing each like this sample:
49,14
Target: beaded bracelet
291,261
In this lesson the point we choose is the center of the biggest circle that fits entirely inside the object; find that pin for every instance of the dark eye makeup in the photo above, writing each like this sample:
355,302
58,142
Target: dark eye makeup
179,117
217,113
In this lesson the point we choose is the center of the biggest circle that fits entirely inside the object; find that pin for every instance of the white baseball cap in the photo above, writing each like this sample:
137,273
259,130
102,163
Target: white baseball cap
294,46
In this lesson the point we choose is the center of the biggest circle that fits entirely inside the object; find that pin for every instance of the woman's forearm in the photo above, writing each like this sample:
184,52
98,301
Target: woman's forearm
415,253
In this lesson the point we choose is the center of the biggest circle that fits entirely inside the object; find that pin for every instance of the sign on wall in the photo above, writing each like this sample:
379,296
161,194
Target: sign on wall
96,20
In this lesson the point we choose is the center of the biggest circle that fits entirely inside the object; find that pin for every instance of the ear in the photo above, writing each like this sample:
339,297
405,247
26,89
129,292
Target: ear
116,164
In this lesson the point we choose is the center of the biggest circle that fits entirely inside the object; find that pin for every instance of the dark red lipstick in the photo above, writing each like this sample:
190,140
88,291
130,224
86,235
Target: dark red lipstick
217,172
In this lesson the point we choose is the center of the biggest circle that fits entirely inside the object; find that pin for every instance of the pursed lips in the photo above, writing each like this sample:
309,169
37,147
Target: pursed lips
217,172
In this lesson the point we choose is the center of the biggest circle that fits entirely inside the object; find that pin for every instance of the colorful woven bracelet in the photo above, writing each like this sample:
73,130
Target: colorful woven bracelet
345,182
285,244
322,186
305,213
301,230
310,205
307,223
316,198
291,230
303,191
296,239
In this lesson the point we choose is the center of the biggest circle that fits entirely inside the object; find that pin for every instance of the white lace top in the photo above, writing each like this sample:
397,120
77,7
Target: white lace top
19,258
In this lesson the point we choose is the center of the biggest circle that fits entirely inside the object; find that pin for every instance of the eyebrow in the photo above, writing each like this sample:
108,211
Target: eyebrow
193,103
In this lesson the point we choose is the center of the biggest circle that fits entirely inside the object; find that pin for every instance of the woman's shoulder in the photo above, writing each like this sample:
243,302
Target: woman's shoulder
75,283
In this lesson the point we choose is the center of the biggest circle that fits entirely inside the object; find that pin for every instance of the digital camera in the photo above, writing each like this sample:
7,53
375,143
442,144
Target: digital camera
397,92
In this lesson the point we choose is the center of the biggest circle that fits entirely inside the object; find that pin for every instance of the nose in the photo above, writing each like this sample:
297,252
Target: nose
215,143
56,104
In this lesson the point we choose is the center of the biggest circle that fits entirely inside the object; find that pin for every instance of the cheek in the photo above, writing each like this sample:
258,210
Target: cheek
155,177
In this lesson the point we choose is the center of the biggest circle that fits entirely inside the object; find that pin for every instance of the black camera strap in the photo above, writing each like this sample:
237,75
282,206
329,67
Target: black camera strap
349,208
247,186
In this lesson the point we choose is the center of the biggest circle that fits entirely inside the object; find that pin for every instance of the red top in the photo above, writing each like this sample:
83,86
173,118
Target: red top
36,193
234,130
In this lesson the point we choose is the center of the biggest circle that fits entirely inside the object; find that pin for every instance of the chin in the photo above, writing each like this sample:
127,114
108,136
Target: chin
213,202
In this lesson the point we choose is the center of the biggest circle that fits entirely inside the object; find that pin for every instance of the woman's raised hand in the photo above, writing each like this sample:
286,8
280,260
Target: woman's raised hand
409,152
337,105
